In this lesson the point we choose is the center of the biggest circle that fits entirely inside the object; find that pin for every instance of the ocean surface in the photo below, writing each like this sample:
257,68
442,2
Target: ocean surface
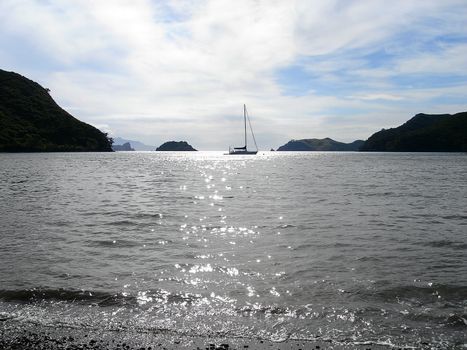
357,248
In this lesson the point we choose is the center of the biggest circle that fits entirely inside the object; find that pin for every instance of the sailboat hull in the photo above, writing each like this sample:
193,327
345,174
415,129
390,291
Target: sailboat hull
242,152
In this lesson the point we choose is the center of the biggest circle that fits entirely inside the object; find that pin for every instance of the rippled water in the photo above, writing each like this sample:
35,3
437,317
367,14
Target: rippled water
353,247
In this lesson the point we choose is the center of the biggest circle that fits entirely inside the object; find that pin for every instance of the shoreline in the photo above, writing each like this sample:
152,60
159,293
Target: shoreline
16,335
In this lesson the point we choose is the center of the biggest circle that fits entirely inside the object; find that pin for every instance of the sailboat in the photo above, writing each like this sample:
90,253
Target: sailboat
244,149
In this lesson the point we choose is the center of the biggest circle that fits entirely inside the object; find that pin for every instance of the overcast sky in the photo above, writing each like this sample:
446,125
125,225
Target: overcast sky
181,70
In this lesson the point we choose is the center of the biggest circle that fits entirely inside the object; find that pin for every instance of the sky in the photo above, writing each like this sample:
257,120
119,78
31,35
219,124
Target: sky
155,71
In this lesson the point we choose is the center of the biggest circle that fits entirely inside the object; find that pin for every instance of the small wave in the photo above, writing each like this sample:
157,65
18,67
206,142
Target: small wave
306,246
454,320
98,298
447,292
331,245
340,245
368,258
445,243
113,243
285,226
5,316
269,310
454,217
14,182
148,216
122,223
39,294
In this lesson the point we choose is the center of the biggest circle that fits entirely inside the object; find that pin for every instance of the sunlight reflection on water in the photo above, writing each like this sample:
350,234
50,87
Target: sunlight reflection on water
277,245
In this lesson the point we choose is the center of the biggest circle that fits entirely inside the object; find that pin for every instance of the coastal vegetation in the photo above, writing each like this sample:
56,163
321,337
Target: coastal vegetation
423,133
325,144
31,121
175,146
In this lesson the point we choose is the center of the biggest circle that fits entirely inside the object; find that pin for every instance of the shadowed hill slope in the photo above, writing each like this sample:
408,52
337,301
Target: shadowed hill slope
326,144
181,146
31,121
423,133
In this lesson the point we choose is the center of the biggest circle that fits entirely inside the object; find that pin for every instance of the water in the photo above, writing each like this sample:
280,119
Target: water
352,247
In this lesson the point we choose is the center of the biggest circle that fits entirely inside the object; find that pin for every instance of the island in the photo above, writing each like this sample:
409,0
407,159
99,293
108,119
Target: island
179,146
423,133
136,145
325,144
31,121
125,147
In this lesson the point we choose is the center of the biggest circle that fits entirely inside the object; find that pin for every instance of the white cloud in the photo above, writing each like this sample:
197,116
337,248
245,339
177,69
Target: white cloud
371,97
450,60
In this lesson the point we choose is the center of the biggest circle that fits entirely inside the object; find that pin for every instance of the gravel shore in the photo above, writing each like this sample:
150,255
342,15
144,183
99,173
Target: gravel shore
19,336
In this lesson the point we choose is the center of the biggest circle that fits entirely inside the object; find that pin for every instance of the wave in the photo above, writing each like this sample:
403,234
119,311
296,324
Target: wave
271,322
83,296
99,298
450,293
148,216
283,226
456,320
122,223
113,243
263,310
445,243
369,258
450,320
454,217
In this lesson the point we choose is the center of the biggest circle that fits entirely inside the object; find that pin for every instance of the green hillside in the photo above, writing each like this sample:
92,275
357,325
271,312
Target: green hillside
325,144
423,133
181,146
31,121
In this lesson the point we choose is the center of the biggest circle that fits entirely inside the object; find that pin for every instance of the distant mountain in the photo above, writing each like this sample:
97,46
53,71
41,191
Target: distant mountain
175,146
125,147
326,144
31,121
138,146
423,133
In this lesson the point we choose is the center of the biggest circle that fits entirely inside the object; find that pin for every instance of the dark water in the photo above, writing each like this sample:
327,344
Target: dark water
357,248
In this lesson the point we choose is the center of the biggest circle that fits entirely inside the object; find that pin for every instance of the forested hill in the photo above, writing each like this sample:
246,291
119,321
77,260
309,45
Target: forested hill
31,121
182,146
326,144
423,133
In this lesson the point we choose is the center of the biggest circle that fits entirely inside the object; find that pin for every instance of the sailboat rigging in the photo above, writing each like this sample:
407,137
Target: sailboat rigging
244,149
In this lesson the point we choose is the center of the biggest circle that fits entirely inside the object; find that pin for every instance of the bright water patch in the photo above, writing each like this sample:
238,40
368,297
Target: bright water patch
353,247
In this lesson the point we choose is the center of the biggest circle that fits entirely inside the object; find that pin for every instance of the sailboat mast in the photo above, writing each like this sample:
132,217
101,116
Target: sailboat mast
244,120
